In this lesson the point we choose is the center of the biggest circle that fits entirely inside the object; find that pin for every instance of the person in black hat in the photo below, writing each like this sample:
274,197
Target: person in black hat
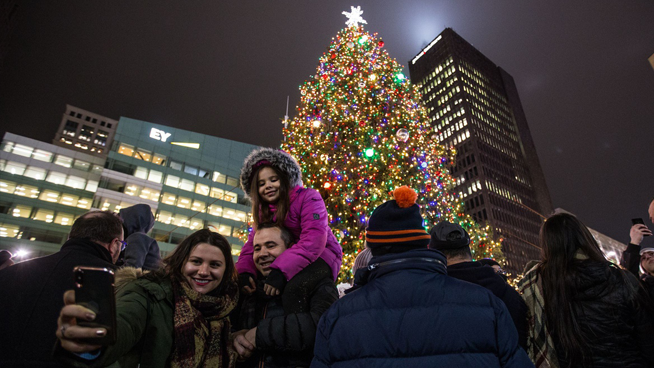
454,242
407,312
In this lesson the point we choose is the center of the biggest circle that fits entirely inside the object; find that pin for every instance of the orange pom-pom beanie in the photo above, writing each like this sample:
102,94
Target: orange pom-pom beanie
396,226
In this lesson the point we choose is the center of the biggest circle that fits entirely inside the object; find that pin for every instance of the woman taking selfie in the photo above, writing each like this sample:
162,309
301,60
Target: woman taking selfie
586,311
173,317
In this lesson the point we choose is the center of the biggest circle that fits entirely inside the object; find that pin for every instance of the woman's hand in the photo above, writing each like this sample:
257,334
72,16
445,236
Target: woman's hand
249,289
241,344
69,333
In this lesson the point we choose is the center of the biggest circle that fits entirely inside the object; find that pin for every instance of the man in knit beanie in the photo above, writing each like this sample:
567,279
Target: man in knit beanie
408,312
454,242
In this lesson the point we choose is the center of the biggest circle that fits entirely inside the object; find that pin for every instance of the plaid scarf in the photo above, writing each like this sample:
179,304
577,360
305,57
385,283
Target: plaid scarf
540,346
202,328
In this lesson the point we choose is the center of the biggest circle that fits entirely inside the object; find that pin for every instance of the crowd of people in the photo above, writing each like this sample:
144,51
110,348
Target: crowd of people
418,298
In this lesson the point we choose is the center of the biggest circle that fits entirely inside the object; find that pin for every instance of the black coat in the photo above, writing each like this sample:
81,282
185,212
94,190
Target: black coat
32,297
485,276
611,311
631,261
283,340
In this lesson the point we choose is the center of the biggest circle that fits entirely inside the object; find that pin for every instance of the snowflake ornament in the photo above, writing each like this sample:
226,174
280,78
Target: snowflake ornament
354,17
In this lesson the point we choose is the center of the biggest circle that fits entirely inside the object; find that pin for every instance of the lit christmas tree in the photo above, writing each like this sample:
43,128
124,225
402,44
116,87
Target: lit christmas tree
360,132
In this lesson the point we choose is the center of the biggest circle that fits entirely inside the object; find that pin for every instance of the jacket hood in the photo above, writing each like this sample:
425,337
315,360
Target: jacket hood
278,159
126,275
137,219
479,274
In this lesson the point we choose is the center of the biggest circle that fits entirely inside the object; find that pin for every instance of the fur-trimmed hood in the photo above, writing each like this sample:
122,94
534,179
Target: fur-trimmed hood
279,159
126,275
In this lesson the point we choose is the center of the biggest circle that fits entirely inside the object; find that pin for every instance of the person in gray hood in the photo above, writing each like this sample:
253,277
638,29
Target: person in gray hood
141,251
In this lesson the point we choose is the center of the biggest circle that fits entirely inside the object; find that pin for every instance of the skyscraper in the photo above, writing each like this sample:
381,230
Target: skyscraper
85,131
474,106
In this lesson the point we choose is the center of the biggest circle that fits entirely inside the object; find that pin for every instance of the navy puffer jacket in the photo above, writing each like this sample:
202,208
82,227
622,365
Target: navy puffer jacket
411,314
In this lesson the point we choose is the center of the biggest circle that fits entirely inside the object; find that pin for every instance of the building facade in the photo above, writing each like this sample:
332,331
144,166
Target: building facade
474,106
85,131
190,180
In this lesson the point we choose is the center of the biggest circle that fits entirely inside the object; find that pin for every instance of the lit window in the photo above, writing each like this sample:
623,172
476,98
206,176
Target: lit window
21,211
131,189
158,159
218,177
180,220
215,210
42,155
141,173
198,206
155,176
126,149
44,215
191,170
7,146
232,182
142,154
195,224
56,178
187,185
9,231
82,165
35,173
165,217
202,189
217,193
22,150
65,219
97,169
14,168
92,185
84,203
49,196
68,200
63,161
230,197
76,182
183,202
168,199
172,181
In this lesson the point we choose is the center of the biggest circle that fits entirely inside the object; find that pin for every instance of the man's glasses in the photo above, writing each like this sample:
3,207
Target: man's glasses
123,245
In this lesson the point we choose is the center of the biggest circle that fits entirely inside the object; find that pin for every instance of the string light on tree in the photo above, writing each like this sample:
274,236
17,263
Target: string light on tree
373,136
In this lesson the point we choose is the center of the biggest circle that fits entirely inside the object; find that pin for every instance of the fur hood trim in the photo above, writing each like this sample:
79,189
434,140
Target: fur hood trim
279,159
126,275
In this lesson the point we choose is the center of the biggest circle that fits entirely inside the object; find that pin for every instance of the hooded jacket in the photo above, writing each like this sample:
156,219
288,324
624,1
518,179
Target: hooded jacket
307,220
409,313
485,276
142,251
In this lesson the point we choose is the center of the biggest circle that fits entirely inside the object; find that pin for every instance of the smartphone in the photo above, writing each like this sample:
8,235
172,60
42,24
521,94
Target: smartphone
636,221
94,289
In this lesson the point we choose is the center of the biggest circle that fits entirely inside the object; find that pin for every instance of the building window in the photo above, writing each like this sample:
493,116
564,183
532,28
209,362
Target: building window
65,219
126,149
64,161
168,199
22,150
232,182
75,182
187,185
165,217
21,211
215,210
158,159
92,185
81,165
27,191
172,181
70,128
68,200
155,176
35,173
217,193
183,202
198,206
218,177
141,173
191,170
86,133
44,215
202,189
49,196
142,154
14,168
42,155
176,165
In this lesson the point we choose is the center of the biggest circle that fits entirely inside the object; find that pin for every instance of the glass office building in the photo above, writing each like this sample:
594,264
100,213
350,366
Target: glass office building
474,106
190,180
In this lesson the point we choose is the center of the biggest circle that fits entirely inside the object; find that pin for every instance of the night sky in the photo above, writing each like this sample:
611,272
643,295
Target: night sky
224,68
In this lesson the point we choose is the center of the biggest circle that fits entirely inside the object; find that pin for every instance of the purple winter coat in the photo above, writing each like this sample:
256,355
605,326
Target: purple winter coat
307,220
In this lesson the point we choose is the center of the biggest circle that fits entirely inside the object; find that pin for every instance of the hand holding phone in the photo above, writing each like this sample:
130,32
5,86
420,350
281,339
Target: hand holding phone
94,289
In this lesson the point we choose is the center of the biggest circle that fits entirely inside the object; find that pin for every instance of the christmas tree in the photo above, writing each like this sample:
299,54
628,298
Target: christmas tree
360,132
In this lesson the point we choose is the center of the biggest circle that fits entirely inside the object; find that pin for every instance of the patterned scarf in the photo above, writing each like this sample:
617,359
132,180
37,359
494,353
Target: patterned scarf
202,328
540,346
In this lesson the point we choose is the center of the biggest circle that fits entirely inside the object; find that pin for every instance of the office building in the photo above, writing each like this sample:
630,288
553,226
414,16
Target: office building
474,106
85,131
190,180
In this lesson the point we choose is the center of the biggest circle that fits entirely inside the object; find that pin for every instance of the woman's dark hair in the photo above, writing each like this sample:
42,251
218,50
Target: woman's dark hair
562,236
261,212
174,263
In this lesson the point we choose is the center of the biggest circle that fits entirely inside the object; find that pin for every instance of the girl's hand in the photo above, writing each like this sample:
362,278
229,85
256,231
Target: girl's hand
270,290
69,333
249,289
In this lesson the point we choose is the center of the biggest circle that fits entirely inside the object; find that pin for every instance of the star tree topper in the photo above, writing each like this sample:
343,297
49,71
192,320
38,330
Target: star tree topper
354,17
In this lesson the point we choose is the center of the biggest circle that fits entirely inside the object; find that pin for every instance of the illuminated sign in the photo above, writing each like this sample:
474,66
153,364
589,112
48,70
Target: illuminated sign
159,135
425,49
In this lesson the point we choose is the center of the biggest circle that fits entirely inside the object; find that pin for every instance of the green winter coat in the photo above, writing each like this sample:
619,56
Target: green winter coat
144,316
